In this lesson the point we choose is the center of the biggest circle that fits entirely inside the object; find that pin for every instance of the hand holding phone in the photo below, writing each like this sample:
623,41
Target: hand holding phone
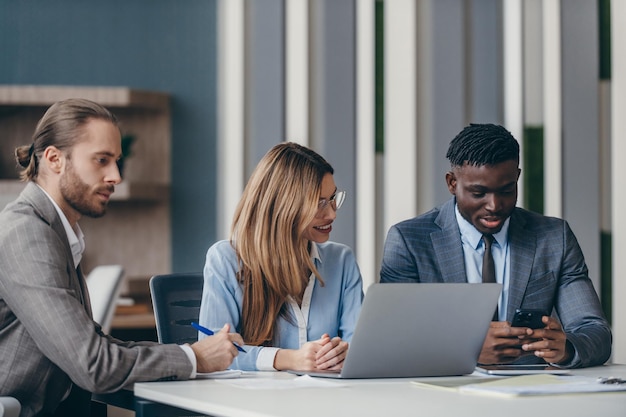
528,318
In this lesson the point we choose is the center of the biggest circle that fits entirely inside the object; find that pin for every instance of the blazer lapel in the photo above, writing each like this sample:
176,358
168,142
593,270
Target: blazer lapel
46,210
523,244
447,245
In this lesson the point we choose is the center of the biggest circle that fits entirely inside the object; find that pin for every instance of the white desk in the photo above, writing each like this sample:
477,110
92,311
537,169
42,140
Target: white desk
375,398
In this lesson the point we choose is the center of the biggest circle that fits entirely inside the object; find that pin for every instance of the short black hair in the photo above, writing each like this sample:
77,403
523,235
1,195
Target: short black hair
483,144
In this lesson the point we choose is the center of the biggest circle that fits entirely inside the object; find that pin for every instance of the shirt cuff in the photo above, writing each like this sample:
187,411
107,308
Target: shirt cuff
265,359
574,361
192,358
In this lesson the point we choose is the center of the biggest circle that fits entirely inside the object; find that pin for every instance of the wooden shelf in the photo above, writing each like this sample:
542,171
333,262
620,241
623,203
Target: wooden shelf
139,211
11,188
126,191
133,317
133,321
132,191
38,95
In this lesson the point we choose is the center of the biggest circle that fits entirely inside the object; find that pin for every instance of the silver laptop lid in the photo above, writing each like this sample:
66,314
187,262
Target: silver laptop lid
425,329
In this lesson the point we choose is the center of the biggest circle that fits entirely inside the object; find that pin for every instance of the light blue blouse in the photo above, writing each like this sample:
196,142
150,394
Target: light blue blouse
333,308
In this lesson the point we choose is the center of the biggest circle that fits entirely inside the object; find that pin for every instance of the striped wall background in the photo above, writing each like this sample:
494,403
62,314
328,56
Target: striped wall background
380,88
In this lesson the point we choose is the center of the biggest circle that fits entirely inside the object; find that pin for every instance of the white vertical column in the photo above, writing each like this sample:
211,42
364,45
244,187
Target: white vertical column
231,121
297,70
553,169
513,76
618,133
365,147
400,160
580,124
532,65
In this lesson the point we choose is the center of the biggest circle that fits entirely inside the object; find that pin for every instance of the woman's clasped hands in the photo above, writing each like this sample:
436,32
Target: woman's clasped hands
324,354
332,353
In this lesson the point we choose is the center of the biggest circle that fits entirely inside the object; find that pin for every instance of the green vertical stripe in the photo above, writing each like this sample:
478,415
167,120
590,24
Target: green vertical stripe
606,244
379,75
604,15
532,172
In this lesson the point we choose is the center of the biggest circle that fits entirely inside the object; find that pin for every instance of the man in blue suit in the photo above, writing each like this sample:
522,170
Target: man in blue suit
536,258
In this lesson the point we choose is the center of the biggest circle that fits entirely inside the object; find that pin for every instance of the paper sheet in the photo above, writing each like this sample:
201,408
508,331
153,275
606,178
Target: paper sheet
229,373
544,384
304,381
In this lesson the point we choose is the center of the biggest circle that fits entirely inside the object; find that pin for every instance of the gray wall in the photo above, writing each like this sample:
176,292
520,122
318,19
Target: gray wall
161,45
333,111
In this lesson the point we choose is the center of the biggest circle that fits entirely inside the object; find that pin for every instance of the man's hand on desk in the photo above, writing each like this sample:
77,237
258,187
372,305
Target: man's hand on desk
216,353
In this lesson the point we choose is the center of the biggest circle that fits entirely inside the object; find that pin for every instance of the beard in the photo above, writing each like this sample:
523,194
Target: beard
79,196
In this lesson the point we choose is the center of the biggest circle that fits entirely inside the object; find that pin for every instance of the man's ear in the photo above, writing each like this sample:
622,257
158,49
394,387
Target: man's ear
451,182
55,160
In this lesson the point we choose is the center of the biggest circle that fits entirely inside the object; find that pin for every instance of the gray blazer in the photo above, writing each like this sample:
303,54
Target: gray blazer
48,339
548,271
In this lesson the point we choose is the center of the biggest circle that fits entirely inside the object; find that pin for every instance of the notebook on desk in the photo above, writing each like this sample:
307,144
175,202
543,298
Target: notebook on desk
419,330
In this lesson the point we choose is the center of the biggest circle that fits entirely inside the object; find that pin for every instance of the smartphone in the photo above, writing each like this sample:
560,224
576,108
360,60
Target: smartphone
528,318
505,369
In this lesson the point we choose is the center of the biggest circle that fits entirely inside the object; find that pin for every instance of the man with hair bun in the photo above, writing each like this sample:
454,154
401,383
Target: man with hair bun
536,258
53,355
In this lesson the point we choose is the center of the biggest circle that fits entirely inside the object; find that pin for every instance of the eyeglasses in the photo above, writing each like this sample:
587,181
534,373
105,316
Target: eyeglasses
336,201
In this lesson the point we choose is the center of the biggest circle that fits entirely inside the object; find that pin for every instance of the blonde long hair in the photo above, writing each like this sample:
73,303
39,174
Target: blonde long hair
278,203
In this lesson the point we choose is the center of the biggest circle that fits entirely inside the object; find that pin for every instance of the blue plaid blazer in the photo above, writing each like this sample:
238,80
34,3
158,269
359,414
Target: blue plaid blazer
548,271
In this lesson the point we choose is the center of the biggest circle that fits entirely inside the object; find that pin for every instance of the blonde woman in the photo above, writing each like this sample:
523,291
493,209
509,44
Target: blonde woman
293,295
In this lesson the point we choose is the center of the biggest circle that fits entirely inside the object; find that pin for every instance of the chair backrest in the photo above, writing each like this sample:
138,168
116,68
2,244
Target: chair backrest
104,283
176,302
9,407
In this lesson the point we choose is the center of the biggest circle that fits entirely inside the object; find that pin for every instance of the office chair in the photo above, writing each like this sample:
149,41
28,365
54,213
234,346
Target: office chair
104,283
176,303
9,407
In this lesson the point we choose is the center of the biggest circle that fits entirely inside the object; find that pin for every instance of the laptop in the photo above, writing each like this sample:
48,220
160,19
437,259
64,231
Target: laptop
419,330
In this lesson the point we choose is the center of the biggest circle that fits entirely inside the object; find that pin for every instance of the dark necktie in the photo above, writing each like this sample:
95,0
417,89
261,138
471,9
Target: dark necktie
489,270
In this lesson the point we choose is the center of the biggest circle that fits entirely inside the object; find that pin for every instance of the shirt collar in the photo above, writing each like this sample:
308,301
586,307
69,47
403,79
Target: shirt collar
75,236
473,236
314,252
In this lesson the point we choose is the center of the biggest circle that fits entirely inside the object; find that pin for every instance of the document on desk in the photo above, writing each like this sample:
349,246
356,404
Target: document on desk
284,383
227,374
527,385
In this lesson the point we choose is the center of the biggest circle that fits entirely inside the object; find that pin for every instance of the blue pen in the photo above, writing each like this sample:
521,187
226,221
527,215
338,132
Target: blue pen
210,333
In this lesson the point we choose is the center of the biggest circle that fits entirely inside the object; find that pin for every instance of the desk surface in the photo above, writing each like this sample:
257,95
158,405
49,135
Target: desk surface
375,398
